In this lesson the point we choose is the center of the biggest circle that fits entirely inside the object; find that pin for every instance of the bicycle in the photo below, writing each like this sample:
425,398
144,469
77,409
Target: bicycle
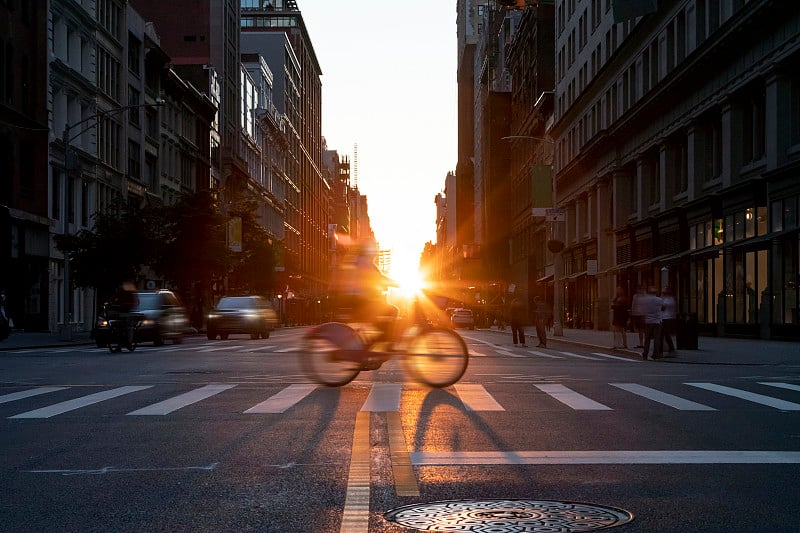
337,352
123,332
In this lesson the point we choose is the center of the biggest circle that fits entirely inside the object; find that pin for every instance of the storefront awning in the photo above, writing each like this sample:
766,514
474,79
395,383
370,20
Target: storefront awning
626,266
545,278
575,276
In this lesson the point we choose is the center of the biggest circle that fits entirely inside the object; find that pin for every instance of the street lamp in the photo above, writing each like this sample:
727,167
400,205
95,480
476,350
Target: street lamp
554,217
71,164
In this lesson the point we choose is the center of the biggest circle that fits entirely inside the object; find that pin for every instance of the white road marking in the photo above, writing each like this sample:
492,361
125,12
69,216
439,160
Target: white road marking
383,397
286,350
542,354
28,393
182,400
619,358
558,457
501,351
476,398
749,396
570,354
663,397
571,398
227,347
475,353
282,401
77,403
788,386
107,469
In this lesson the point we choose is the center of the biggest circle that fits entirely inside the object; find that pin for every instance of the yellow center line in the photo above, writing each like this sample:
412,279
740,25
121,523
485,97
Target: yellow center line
355,517
405,482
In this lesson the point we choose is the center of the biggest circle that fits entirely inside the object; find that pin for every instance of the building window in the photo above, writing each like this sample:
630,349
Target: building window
108,69
134,55
712,155
108,15
133,101
55,194
753,126
134,160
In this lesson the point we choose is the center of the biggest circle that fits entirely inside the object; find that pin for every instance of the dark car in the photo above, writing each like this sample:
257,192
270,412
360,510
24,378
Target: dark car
161,315
250,315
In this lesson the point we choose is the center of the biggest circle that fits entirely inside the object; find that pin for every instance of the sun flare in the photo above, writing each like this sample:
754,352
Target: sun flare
408,277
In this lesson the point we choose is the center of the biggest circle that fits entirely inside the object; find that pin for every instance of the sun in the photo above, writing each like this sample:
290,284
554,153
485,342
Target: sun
408,277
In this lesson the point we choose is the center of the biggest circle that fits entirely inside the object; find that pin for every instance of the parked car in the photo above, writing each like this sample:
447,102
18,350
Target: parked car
462,318
251,315
161,314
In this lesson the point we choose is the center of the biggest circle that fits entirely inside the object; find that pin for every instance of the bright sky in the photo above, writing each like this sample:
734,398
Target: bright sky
389,85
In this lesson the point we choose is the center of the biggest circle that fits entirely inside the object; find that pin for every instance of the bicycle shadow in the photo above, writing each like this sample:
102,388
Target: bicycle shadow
463,422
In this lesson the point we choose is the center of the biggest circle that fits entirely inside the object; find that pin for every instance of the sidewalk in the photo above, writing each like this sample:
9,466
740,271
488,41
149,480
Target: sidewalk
712,350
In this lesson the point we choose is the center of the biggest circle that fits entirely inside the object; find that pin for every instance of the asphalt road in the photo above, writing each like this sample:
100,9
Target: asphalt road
231,436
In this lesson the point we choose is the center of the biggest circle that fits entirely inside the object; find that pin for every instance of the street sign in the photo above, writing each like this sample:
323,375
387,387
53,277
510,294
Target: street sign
555,214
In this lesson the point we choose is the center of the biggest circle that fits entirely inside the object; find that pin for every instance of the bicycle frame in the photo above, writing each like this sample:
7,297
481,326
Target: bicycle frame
338,352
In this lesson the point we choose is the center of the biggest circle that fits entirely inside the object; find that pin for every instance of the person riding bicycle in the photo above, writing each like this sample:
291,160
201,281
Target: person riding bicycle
359,290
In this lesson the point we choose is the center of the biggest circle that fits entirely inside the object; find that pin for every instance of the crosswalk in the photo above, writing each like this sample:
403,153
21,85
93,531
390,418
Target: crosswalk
388,397
477,349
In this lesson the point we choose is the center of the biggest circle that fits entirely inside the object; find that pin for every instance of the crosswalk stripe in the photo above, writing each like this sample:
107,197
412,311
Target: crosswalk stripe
475,353
182,400
222,348
77,403
570,398
788,386
749,396
476,398
542,354
507,353
383,397
28,393
618,358
560,457
663,397
570,354
282,401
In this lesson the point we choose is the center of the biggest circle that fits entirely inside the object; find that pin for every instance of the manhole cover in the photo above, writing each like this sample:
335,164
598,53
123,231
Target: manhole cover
497,516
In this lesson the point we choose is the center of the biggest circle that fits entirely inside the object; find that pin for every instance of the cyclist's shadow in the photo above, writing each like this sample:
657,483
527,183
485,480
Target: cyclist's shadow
437,400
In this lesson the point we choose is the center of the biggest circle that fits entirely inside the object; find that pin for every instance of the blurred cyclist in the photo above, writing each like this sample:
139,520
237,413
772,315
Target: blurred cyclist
359,288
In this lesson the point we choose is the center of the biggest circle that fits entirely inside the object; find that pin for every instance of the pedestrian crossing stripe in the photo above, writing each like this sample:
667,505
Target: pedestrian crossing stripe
386,397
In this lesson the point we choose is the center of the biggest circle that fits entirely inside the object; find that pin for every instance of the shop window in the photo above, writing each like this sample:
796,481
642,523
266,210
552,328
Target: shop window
719,231
777,216
789,213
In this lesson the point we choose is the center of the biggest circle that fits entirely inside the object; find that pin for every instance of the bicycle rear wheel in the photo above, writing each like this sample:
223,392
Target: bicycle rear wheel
322,361
437,357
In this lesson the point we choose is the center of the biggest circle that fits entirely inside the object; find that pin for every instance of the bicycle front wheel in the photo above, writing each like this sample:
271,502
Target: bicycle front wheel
323,363
437,357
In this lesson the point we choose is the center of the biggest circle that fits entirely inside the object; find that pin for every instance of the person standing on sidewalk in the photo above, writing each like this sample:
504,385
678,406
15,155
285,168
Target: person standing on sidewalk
5,321
517,313
542,316
637,315
669,320
619,320
652,306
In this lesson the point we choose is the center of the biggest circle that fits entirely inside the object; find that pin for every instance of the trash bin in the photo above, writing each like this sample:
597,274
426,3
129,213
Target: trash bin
686,334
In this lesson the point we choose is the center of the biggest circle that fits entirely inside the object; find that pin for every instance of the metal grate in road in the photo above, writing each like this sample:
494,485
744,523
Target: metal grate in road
499,516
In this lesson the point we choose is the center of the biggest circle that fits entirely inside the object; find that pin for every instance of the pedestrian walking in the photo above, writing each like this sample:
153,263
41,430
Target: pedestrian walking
5,320
669,322
542,317
619,318
637,315
652,306
517,313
